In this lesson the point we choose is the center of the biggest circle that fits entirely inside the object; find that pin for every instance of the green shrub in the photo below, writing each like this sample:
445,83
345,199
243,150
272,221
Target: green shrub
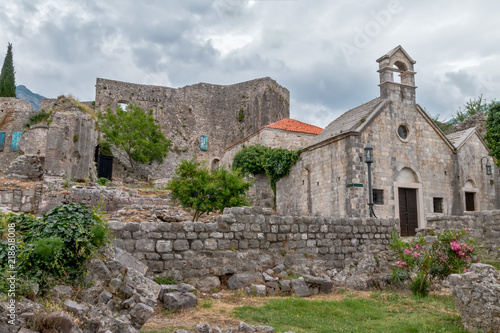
54,246
204,190
102,181
166,280
420,286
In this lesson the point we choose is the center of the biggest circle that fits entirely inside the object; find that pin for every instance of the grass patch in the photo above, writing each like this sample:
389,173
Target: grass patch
381,312
165,280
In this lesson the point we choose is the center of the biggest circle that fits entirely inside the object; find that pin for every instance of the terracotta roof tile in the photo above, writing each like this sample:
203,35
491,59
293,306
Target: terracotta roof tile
293,125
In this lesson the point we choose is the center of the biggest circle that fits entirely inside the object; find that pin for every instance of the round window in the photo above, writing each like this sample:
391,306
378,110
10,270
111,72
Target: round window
403,132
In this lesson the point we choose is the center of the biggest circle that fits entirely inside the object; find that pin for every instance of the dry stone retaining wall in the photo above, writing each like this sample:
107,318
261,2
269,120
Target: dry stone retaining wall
484,225
252,239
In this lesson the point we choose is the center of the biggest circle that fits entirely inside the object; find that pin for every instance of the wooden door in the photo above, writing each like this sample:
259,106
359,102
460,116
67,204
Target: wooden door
408,214
469,201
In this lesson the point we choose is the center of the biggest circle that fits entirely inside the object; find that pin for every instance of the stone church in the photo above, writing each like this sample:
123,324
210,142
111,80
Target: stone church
417,170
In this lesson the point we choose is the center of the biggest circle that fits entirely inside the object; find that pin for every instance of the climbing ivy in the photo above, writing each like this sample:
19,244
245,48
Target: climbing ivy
492,136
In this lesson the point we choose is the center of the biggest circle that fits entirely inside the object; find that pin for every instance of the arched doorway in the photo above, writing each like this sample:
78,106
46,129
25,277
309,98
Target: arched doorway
215,163
408,201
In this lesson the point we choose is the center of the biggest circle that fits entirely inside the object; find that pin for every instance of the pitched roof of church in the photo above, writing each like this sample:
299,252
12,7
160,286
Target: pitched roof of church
293,125
349,121
394,50
459,138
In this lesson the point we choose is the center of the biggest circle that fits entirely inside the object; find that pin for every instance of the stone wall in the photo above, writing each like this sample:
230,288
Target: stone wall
252,239
476,297
71,141
225,114
14,113
260,193
21,198
478,121
484,225
39,197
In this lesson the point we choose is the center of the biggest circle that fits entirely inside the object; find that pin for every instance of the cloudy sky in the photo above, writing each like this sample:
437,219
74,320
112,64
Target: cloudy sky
323,51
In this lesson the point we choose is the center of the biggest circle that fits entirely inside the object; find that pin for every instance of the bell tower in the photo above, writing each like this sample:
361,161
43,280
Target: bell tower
397,78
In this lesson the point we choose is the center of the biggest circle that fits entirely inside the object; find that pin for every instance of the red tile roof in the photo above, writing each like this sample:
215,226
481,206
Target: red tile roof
293,125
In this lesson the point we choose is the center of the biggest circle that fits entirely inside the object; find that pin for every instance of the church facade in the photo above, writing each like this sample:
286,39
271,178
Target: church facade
417,170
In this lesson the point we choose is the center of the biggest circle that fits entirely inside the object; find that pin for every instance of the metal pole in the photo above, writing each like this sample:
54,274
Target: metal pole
370,192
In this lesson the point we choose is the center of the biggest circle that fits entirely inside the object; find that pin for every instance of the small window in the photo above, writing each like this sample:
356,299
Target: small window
438,205
403,132
378,197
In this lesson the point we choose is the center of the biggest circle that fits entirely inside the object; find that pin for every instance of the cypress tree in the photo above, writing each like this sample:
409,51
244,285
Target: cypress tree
7,80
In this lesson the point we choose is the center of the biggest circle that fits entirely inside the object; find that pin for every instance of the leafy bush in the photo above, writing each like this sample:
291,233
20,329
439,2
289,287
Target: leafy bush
206,191
452,252
136,132
251,160
278,163
56,245
274,162
102,181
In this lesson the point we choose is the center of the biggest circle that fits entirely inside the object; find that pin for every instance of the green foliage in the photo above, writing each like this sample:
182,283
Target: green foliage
420,286
136,132
105,149
7,77
452,252
274,162
444,125
472,107
241,115
37,118
251,160
207,304
102,181
56,245
279,161
204,190
492,136
166,280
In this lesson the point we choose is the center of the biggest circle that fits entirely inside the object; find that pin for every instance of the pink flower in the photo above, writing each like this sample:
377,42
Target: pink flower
417,247
401,263
466,270
416,254
461,253
407,251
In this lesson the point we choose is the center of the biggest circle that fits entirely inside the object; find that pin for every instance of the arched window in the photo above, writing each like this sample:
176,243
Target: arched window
400,68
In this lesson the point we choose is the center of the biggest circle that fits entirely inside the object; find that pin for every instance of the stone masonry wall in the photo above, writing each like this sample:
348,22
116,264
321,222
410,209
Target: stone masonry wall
484,225
71,141
225,114
252,239
14,113
21,199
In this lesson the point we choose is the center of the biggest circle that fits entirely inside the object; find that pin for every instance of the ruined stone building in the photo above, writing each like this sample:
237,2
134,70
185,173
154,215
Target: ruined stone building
417,170
63,146
202,119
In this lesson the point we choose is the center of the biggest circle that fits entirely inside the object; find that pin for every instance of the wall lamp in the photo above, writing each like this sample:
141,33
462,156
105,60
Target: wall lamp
369,161
488,165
